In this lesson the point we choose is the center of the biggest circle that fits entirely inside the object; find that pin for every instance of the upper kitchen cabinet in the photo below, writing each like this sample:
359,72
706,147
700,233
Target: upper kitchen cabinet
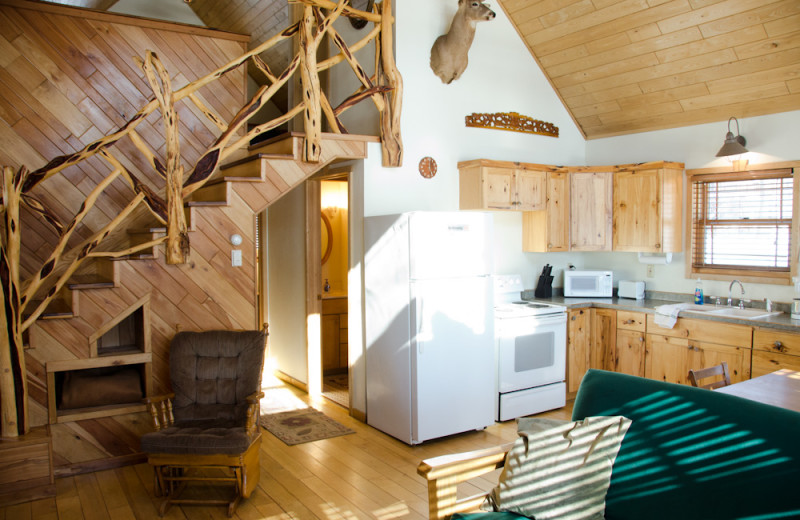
501,185
547,231
590,210
647,208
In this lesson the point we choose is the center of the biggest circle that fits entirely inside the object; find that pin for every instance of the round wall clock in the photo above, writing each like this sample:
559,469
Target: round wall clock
427,167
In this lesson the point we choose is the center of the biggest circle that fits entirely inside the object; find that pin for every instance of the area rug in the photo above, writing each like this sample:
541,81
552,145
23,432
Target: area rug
299,426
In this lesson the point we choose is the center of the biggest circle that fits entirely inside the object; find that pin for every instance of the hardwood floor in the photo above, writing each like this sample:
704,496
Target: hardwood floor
363,475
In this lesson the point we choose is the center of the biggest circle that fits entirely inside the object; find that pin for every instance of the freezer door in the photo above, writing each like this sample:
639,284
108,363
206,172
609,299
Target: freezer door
450,244
452,351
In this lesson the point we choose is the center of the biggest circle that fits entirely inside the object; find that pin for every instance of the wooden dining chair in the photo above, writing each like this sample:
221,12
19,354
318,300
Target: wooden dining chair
695,376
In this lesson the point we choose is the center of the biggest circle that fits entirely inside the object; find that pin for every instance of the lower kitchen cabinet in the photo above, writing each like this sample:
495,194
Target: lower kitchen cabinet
579,336
334,335
604,339
695,344
774,350
629,355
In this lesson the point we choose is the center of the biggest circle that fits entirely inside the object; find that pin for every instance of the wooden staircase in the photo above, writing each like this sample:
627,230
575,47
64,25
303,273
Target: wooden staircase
268,171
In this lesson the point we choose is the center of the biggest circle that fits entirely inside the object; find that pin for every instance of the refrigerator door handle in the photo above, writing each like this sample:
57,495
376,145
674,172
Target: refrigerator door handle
421,321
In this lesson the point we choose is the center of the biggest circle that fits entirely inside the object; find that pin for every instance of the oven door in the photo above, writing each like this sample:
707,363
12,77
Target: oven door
531,351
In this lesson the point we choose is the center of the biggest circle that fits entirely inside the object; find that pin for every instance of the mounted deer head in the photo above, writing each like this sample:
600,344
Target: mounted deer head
449,51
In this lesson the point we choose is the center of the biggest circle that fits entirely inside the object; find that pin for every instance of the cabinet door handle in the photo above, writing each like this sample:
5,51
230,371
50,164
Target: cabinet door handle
628,322
779,346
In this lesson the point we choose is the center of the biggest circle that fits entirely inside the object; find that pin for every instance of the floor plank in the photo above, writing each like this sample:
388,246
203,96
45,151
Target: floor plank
362,475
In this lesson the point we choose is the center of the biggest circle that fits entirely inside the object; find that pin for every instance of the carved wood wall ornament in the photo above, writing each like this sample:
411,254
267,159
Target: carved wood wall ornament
511,121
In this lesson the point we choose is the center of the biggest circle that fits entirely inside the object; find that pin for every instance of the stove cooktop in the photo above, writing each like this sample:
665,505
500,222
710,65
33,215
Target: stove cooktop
523,308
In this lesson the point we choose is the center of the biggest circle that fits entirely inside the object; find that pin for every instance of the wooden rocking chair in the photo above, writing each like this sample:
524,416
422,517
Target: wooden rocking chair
207,430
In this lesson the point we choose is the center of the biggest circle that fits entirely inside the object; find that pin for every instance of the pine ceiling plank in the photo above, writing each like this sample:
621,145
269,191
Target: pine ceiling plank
645,32
596,109
794,86
782,26
759,16
614,71
527,10
600,96
585,22
724,70
573,53
627,52
642,113
664,96
709,13
759,48
785,74
704,46
567,14
756,93
624,22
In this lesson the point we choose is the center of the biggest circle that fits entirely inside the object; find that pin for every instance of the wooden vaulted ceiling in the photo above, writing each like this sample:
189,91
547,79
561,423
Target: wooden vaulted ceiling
627,66
619,66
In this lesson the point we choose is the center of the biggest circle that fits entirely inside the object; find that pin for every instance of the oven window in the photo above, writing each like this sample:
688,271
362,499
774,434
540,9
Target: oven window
534,351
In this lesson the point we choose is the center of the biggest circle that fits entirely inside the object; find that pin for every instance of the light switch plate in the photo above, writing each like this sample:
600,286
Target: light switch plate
651,270
236,258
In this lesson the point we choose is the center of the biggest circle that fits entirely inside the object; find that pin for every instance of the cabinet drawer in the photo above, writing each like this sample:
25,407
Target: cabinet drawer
768,362
629,320
334,305
705,330
776,341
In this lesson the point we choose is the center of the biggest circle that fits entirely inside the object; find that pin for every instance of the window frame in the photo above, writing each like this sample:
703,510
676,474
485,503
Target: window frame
745,275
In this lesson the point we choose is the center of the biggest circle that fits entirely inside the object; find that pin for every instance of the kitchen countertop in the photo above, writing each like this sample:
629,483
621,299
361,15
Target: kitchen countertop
648,305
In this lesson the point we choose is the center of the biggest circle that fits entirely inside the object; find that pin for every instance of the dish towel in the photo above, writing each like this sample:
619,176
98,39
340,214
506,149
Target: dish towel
667,315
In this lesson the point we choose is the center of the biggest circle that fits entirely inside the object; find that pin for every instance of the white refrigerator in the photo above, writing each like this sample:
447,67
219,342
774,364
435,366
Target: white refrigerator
430,358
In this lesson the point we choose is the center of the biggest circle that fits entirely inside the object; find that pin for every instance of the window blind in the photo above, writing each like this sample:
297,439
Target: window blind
742,221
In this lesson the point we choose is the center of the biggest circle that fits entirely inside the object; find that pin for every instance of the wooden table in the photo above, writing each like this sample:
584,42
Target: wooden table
781,388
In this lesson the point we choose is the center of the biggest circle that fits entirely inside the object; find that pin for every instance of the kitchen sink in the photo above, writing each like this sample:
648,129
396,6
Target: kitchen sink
736,312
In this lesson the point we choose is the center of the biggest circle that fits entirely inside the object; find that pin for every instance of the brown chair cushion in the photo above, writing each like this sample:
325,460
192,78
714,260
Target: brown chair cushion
213,372
207,440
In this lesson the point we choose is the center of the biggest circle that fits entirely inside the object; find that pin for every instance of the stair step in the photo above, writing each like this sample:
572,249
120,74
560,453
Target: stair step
205,203
83,282
57,309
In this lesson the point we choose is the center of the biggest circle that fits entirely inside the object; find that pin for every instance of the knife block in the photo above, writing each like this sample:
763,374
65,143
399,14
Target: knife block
544,289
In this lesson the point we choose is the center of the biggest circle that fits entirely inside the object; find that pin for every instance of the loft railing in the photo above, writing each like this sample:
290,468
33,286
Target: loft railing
385,89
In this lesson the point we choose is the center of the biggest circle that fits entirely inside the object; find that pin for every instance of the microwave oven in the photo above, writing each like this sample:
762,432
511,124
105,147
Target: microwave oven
588,284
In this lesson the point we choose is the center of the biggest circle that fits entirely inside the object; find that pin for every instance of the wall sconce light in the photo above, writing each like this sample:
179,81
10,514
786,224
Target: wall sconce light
733,145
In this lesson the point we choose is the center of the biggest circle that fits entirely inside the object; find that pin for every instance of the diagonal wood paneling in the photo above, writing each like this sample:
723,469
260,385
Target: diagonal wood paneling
67,78
626,66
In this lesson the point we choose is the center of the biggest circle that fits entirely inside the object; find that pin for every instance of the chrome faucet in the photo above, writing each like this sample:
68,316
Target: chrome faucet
730,294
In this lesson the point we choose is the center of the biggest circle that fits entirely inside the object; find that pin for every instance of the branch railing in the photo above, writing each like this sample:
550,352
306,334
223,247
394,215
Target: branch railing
384,88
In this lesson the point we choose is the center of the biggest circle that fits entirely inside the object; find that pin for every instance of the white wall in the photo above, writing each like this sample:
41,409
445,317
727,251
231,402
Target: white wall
286,271
770,138
168,10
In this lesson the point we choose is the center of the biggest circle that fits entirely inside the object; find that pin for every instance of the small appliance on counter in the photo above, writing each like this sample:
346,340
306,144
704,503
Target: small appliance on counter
631,289
589,284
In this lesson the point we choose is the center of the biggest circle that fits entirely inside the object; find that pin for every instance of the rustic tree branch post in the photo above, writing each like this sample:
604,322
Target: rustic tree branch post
309,85
390,118
13,376
177,229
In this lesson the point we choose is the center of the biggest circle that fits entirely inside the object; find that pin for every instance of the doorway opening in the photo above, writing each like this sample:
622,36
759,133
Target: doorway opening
333,273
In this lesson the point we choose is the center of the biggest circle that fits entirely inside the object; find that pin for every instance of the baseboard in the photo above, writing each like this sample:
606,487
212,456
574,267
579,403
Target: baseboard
286,378
358,415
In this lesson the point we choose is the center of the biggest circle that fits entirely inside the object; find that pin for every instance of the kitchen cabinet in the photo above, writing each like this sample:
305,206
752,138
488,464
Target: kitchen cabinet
604,338
547,230
590,223
334,335
628,356
579,336
774,350
647,209
694,344
501,185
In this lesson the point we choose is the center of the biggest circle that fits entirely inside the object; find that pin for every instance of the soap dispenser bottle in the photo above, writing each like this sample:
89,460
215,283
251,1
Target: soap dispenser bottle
796,301
698,292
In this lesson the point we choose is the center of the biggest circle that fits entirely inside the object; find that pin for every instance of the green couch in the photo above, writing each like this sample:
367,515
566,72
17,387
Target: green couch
691,453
